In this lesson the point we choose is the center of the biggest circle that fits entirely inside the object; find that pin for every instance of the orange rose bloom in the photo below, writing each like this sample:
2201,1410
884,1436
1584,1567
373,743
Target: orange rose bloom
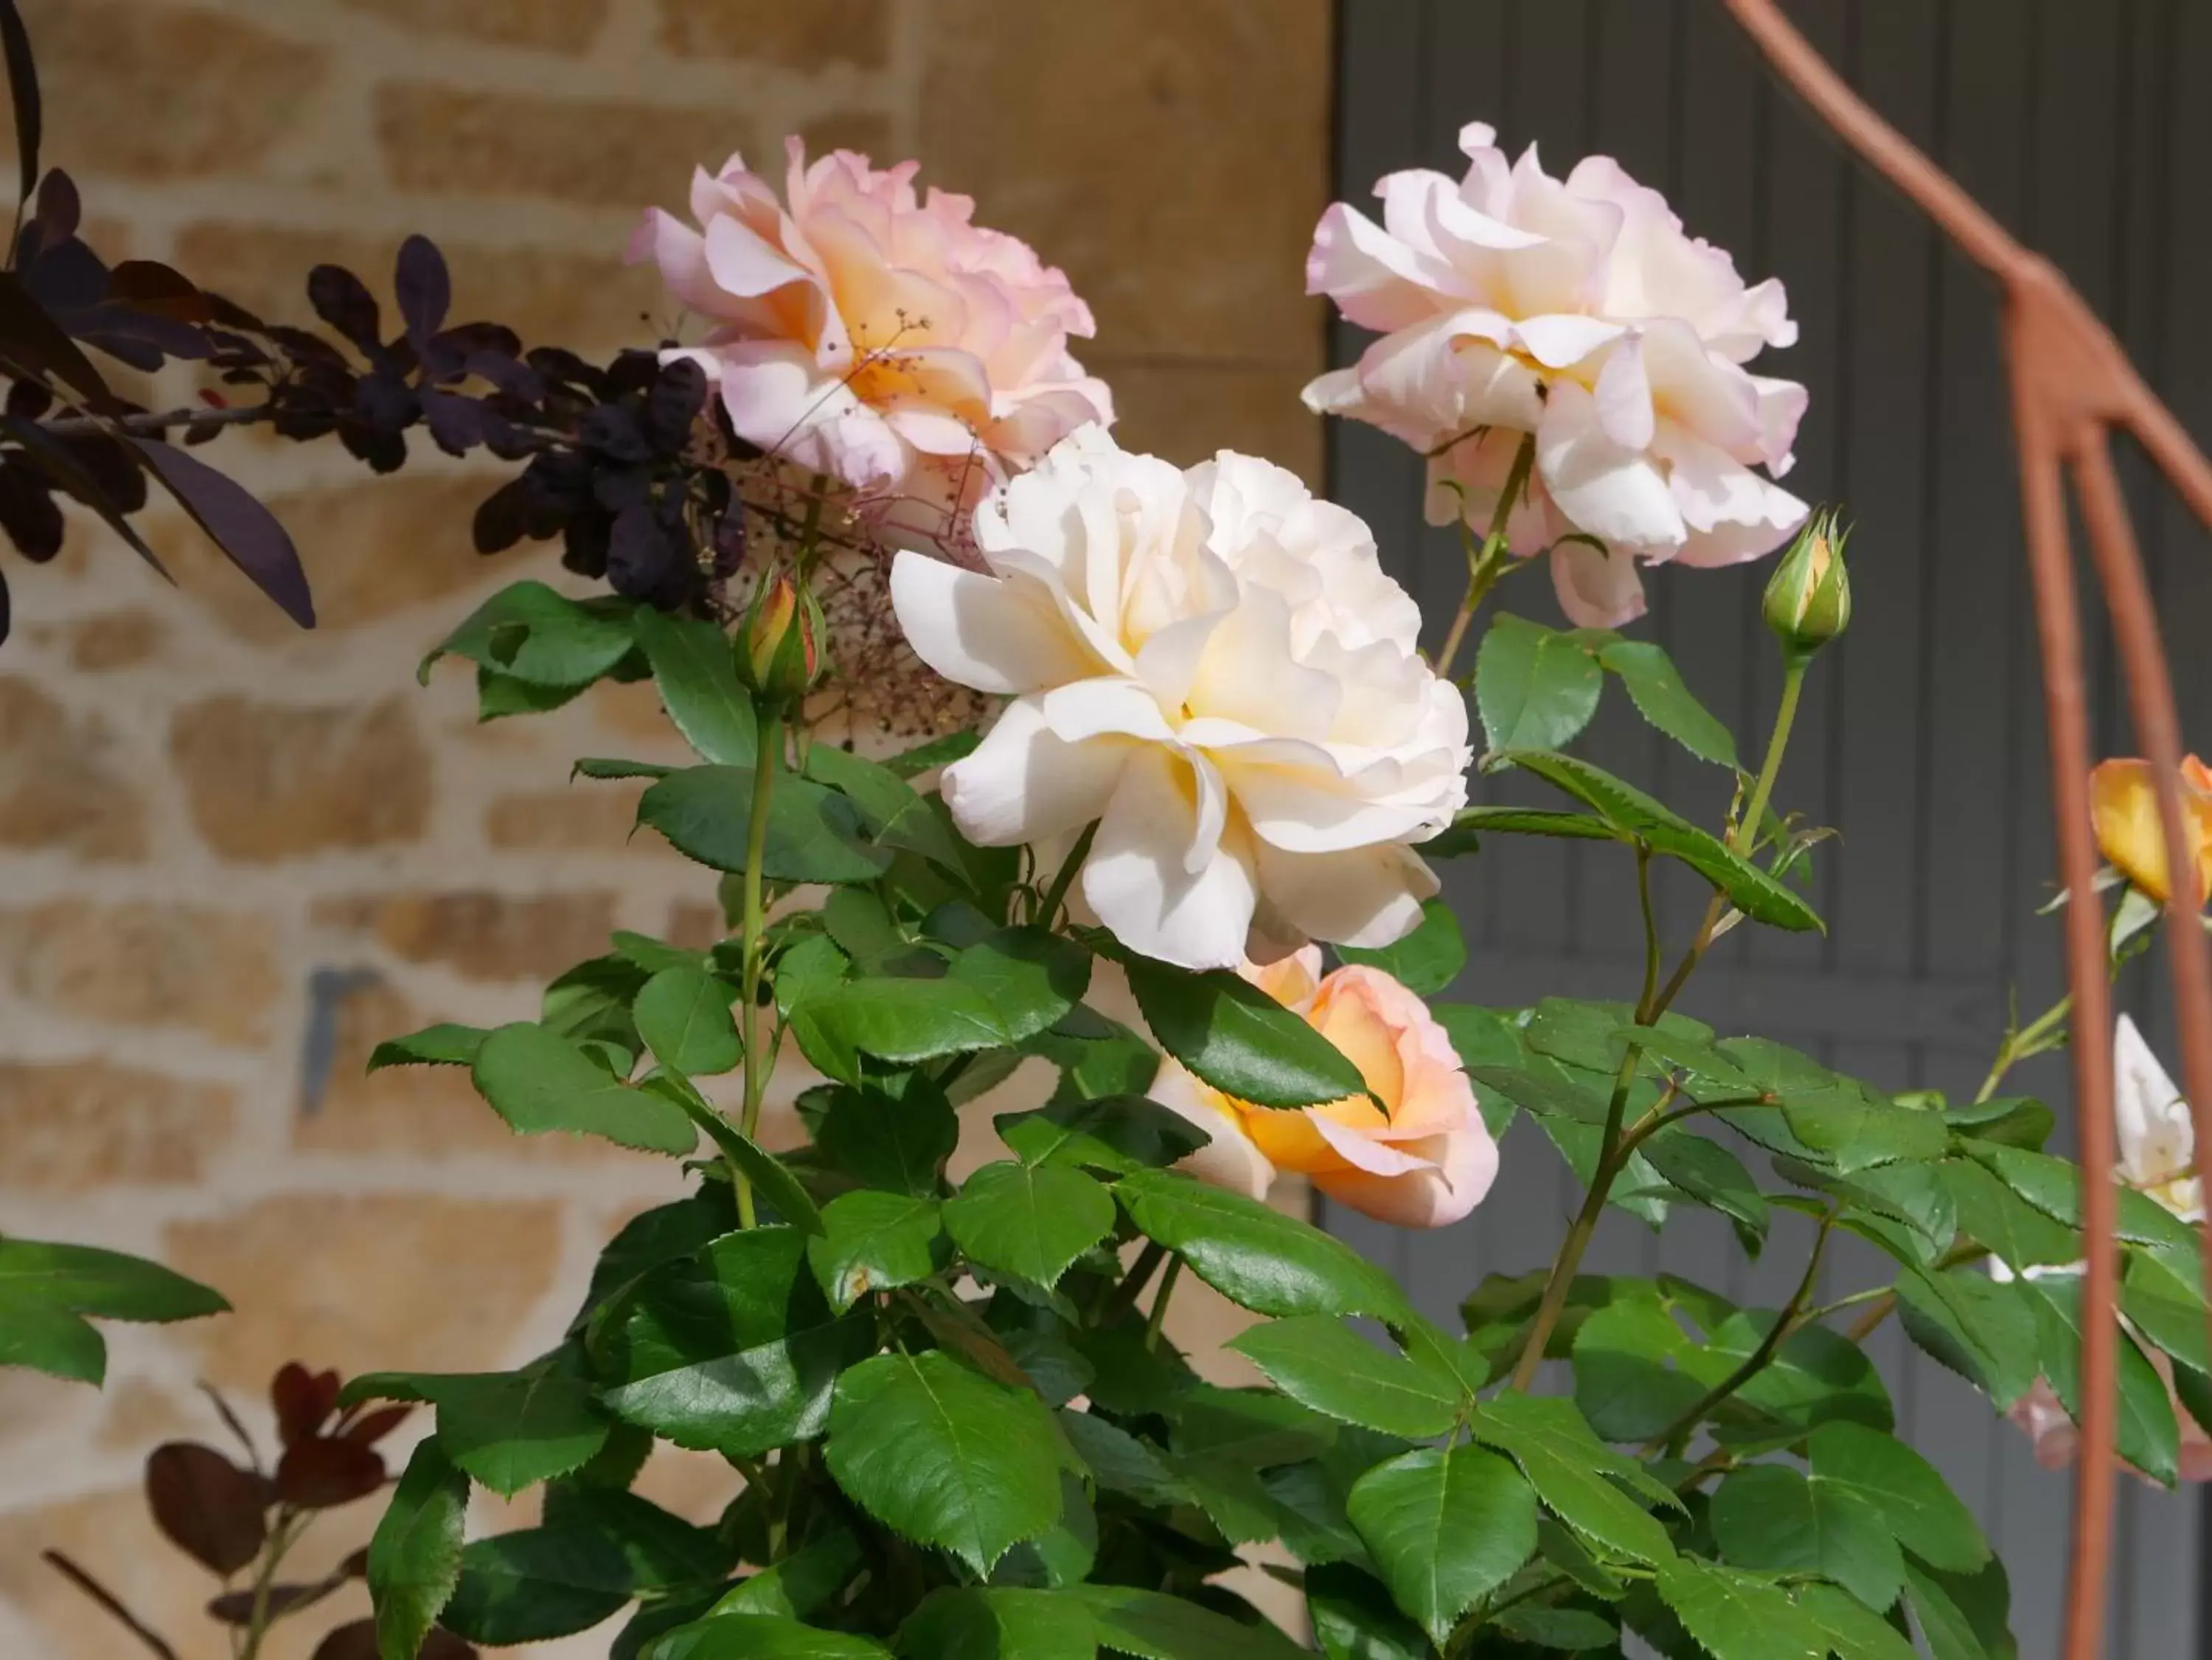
1427,1164
2123,805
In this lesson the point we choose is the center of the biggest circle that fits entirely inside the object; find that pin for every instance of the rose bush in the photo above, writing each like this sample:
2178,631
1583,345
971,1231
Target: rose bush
955,1424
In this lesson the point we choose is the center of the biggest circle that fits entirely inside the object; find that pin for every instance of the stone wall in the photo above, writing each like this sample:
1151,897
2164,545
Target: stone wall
232,856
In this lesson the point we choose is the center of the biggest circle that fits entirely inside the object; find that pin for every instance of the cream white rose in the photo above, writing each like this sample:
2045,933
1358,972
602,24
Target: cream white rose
1211,665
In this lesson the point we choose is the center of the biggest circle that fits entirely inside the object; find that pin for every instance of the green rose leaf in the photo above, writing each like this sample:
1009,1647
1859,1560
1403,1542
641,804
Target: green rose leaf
1323,1364
1354,1618
1027,1220
814,834
732,1350
1769,1517
1900,1486
529,634
770,1174
1427,960
1446,1528
1853,1630
899,1020
763,1636
1760,896
896,1142
1737,1616
1113,1133
1535,688
1238,1038
1151,1625
442,1044
695,671
876,1241
1255,1256
1983,1331
968,1622
415,1555
1584,1482
538,1081
509,1430
683,1015
1963,1617
944,1456
1029,977
1656,686
2148,1436
598,1548
47,1291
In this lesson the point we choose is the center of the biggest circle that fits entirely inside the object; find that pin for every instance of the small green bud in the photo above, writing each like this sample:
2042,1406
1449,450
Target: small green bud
779,649
1808,599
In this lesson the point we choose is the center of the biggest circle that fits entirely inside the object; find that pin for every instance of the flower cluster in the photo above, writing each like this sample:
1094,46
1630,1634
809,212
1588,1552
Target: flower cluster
1576,316
875,337
1210,665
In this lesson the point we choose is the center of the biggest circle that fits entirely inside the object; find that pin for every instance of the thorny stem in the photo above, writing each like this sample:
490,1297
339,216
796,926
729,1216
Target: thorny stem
1744,834
1155,1322
1489,563
1613,1151
1792,1316
158,420
1125,1294
1644,1014
2021,1043
769,743
1064,878
1609,1161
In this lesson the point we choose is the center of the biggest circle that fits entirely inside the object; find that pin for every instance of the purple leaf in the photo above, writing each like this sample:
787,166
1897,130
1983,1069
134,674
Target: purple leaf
32,342
424,286
59,208
245,530
344,301
456,423
23,89
65,466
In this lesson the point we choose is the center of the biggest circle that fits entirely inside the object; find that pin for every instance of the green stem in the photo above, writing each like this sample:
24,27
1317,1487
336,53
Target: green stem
1064,878
1870,1322
1489,563
1124,1295
1610,1159
1792,1316
282,1537
767,748
1155,1322
2019,1045
1746,833
1644,1013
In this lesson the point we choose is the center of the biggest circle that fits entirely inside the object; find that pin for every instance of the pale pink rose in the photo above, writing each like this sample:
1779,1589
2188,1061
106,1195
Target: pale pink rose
1577,310
879,338
1426,1164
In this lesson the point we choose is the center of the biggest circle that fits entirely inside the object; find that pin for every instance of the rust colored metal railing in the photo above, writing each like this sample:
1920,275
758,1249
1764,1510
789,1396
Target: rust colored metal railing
2072,385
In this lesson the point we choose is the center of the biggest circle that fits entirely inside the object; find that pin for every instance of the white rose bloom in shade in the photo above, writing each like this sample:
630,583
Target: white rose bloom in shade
1212,666
1578,310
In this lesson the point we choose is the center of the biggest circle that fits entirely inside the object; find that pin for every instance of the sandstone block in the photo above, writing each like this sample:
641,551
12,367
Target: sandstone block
484,936
62,784
267,782
118,639
1187,411
364,1281
72,1126
1185,230
465,141
565,25
145,964
805,37
164,93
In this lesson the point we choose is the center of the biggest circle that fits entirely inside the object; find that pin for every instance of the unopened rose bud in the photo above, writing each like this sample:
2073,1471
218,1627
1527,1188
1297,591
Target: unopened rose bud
780,651
1808,599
